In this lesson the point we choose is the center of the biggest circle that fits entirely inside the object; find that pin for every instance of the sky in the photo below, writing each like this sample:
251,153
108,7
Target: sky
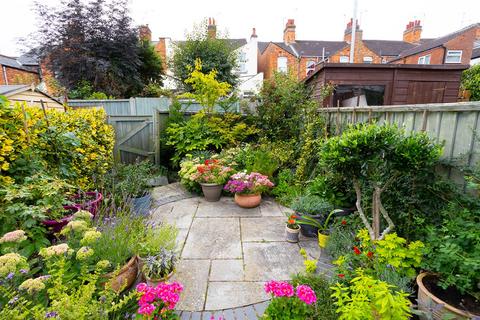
315,20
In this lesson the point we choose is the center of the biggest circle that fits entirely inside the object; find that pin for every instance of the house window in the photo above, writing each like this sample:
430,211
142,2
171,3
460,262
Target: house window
367,59
282,64
310,67
424,59
453,56
242,62
344,59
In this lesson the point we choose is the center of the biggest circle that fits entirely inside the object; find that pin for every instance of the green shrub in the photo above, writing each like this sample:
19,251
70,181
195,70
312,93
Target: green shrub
335,188
324,309
471,81
454,250
207,132
311,205
285,190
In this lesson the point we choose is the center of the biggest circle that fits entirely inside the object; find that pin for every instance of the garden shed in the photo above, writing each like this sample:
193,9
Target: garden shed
386,84
31,95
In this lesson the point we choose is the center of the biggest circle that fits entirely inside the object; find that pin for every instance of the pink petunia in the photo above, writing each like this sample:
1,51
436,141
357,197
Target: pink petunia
306,294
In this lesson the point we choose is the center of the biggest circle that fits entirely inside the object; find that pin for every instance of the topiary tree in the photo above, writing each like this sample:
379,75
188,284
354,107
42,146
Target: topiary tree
374,156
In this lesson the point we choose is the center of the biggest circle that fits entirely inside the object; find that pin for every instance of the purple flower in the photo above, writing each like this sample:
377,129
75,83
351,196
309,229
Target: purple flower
10,276
51,314
23,271
13,300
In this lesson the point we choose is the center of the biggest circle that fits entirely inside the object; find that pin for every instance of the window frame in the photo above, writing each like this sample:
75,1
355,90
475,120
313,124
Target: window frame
370,61
458,54
242,59
423,59
346,58
282,58
309,68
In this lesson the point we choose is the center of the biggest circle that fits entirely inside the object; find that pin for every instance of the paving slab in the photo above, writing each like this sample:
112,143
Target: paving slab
220,294
213,239
226,270
269,208
263,229
312,248
266,261
181,238
224,208
193,275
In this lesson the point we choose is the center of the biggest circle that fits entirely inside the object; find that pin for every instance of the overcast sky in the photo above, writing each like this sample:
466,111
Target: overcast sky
315,20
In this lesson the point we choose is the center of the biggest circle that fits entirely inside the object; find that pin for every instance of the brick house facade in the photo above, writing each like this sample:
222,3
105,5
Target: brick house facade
12,71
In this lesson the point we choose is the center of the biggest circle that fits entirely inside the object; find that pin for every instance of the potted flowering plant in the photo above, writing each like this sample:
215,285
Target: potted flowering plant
159,268
248,188
158,302
292,228
212,175
322,228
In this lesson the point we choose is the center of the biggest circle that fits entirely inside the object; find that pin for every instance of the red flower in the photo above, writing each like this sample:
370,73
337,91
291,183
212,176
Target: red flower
341,275
293,216
291,221
207,162
200,169
344,222
369,254
356,250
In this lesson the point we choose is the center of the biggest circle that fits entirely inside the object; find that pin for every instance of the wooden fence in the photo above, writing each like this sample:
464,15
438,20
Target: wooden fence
454,125
138,123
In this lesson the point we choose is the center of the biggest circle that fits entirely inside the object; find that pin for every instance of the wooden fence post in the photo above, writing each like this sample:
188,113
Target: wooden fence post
424,120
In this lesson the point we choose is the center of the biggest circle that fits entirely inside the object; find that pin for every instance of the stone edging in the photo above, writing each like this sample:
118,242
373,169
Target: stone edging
249,312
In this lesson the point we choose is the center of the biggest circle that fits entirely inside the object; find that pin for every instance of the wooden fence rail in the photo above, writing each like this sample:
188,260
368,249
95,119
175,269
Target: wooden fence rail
453,124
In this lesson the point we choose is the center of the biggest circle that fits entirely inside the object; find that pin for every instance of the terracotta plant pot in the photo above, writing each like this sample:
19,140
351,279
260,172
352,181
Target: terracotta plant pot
322,240
292,235
155,282
90,205
248,200
428,302
56,225
212,191
125,277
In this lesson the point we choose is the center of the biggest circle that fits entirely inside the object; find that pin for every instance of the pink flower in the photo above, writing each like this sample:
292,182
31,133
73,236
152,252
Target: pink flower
142,287
279,289
306,294
146,309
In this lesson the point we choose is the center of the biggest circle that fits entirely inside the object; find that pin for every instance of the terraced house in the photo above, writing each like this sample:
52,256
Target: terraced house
300,57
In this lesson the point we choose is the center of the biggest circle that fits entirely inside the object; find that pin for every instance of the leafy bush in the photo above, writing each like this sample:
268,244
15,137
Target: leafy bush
324,308
342,236
453,250
207,132
471,81
368,298
285,190
288,303
374,157
311,205
335,188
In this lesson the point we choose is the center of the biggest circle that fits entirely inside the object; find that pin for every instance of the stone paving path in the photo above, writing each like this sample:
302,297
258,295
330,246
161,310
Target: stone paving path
227,253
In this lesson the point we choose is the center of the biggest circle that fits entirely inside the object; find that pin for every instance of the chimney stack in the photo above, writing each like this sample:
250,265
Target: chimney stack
144,33
348,32
413,32
289,32
211,29
254,33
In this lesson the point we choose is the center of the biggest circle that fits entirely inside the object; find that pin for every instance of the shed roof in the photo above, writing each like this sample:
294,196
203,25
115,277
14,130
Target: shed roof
15,63
8,90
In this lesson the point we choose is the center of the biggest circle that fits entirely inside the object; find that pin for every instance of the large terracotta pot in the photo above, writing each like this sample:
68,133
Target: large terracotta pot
212,191
57,225
248,200
439,308
125,277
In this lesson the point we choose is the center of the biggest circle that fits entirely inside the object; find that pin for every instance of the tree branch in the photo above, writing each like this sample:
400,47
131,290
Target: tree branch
384,212
358,192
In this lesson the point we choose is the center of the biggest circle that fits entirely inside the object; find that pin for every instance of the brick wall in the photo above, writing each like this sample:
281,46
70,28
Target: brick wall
361,51
267,63
17,76
161,49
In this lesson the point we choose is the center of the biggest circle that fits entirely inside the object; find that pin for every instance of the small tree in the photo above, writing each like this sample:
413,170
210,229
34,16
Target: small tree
215,53
374,156
207,90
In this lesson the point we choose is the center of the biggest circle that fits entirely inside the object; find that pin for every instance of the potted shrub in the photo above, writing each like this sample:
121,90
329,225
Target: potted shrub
314,207
248,188
212,175
292,228
159,268
453,262
322,228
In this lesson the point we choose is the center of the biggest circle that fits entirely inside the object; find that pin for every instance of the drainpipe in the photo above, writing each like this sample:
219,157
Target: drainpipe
5,75
354,30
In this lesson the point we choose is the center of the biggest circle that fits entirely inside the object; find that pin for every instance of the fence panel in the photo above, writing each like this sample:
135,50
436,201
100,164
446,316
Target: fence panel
453,124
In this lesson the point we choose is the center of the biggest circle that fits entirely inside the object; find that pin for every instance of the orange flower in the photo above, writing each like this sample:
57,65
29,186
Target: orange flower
291,221
369,254
293,216
344,222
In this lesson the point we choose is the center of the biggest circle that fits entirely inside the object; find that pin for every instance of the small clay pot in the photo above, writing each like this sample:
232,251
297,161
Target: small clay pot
248,200
154,282
212,191
292,235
